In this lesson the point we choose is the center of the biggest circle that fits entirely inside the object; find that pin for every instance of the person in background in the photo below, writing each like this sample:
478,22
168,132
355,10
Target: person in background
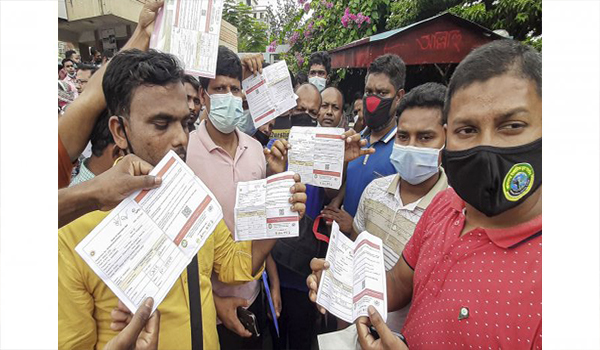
71,77
74,57
331,111
233,157
301,78
263,133
192,87
104,152
319,68
84,73
384,89
474,262
357,112
107,55
66,96
390,207
96,56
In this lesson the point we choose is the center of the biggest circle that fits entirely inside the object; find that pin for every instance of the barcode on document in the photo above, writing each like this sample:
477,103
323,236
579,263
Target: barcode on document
186,212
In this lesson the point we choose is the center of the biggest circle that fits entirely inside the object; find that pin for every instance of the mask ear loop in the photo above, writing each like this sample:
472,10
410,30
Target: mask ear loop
129,147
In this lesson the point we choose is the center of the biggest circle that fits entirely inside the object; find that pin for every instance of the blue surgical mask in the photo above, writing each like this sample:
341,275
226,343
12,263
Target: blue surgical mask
246,124
225,112
415,164
318,82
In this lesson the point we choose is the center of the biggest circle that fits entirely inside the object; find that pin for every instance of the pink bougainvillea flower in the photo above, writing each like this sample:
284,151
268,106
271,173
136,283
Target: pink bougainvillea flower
307,7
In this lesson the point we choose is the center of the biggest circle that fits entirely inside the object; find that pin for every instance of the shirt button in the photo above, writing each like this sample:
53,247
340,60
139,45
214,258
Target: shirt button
456,223
446,257
464,313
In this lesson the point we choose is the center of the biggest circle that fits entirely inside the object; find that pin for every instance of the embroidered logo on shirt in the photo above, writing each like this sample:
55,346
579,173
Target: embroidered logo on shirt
464,313
518,181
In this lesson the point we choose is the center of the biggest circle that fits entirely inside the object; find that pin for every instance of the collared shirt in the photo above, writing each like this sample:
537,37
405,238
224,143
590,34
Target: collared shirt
364,169
221,173
84,174
479,291
85,302
382,213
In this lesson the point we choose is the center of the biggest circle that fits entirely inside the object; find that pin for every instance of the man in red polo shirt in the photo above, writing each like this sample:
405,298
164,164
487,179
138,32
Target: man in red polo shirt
473,267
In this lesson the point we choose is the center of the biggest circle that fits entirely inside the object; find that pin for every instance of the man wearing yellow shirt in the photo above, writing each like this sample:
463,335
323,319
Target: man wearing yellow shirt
148,103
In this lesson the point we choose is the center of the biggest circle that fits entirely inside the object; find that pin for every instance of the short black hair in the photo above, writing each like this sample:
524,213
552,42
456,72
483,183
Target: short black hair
228,64
321,57
301,78
101,136
66,60
191,80
89,67
494,59
357,96
70,53
132,68
392,66
429,95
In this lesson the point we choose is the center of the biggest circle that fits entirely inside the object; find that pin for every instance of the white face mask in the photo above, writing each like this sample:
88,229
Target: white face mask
318,82
415,164
225,112
246,124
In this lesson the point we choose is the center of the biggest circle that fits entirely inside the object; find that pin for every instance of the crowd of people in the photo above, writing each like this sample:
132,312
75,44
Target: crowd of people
448,176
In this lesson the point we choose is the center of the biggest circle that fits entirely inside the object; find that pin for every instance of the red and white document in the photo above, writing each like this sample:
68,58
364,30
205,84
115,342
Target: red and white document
355,278
190,29
142,247
269,94
263,210
317,154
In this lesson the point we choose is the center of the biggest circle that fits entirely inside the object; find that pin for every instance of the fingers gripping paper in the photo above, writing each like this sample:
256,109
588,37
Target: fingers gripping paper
190,30
263,210
142,247
317,154
356,278
269,94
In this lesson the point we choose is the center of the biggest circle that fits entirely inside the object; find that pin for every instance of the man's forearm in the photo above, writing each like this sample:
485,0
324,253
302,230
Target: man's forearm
74,202
272,272
260,251
399,295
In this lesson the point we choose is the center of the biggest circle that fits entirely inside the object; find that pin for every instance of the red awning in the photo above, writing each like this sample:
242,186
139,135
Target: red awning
443,38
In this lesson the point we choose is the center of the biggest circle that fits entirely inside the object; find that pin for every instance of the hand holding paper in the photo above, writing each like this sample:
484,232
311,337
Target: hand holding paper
356,278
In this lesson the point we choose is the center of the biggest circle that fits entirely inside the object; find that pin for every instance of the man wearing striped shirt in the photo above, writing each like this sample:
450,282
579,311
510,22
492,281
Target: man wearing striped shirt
391,206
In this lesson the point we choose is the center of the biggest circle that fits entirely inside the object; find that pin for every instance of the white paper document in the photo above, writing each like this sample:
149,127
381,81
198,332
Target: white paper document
269,94
317,154
141,248
190,29
355,278
263,210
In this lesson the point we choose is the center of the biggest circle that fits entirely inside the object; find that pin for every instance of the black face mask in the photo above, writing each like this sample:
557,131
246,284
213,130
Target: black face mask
376,112
302,119
262,138
495,179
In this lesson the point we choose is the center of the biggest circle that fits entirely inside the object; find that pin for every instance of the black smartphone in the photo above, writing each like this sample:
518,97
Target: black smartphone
248,319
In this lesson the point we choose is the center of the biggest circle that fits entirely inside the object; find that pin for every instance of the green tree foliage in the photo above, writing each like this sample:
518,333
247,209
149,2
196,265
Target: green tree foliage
522,19
252,35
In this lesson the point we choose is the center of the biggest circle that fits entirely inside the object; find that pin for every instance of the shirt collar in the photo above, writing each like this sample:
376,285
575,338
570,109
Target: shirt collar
504,237
440,185
208,142
389,136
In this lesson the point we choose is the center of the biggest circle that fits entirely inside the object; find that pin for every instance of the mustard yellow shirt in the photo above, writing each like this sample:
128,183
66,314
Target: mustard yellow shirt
85,302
